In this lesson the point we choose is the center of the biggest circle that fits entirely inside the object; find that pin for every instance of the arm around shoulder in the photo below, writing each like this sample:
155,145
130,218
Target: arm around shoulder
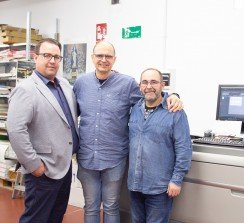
174,103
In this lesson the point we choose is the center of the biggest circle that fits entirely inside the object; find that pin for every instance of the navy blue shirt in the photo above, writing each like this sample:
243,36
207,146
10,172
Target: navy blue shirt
57,91
104,115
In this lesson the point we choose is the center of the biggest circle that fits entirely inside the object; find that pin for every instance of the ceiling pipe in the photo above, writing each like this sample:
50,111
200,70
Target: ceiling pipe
165,10
28,35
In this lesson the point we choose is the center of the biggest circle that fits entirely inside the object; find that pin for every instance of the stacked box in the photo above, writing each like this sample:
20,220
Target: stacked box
5,164
11,35
12,173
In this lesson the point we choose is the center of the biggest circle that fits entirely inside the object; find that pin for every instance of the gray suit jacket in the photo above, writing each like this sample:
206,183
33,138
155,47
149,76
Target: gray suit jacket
38,129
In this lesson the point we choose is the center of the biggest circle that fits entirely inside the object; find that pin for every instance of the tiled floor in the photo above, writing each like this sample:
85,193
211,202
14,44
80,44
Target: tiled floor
11,209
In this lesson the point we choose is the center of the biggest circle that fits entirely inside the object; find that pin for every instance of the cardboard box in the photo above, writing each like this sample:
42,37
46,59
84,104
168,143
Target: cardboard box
11,35
12,174
12,40
9,184
5,27
20,35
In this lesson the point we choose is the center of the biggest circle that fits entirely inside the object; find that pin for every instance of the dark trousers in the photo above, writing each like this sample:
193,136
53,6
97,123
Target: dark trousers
46,199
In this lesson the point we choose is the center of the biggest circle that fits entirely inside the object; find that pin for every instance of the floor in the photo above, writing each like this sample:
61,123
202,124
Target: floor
11,209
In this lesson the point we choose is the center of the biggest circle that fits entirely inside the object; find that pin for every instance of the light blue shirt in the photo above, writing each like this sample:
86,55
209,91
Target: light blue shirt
104,115
160,148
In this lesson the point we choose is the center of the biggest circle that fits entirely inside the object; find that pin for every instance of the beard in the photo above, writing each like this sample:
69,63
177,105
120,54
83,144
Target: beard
151,96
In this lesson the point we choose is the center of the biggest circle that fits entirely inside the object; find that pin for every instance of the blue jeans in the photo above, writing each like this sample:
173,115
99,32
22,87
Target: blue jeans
102,186
147,208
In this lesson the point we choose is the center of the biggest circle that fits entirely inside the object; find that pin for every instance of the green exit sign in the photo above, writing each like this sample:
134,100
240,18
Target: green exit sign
131,32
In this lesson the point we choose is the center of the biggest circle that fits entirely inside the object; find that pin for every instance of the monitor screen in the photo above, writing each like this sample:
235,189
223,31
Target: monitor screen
230,105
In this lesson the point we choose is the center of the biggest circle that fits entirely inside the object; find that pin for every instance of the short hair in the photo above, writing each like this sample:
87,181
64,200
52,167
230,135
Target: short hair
47,40
103,42
154,69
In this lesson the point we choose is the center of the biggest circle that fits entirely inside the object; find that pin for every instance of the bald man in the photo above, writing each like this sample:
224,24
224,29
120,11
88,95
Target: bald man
105,99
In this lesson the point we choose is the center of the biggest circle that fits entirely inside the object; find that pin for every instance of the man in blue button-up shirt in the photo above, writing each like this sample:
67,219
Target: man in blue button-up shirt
105,98
160,152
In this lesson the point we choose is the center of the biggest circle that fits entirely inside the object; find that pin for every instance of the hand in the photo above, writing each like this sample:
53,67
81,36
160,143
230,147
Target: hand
39,171
174,103
173,190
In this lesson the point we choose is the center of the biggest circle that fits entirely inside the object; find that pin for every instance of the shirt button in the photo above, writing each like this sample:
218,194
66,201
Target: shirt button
70,143
95,139
98,100
98,113
96,126
95,151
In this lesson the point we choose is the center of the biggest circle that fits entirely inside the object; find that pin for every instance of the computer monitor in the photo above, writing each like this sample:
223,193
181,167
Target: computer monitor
230,104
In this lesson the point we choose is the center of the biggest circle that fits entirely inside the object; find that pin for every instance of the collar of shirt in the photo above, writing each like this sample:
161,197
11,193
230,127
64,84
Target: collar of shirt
45,80
111,75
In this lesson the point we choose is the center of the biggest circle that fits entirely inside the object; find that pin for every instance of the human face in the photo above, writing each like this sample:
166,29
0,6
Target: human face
103,58
151,87
48,68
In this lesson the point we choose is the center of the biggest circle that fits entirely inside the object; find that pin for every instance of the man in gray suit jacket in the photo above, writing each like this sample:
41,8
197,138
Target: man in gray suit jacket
42,128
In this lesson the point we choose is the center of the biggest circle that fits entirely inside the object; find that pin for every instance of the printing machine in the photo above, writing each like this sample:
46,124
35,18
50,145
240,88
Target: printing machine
213,189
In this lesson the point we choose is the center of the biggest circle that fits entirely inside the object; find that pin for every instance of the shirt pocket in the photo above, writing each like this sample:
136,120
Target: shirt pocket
112,101
158,133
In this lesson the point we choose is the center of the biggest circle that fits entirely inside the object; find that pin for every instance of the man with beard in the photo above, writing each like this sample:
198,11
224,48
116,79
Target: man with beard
159,153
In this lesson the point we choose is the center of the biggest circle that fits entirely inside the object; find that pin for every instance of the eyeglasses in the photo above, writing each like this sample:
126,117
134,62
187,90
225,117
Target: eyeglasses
144,83
48,57
101,56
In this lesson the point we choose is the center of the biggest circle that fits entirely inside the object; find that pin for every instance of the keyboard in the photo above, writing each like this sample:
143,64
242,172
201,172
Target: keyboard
221,141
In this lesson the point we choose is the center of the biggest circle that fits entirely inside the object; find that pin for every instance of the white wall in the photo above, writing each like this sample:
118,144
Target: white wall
206,47
204,42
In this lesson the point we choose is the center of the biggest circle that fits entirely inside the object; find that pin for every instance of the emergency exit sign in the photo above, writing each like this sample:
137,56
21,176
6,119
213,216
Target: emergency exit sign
131,32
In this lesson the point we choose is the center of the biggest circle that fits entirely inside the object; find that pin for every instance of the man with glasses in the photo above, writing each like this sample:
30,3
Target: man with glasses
159,152
42,128
105,98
